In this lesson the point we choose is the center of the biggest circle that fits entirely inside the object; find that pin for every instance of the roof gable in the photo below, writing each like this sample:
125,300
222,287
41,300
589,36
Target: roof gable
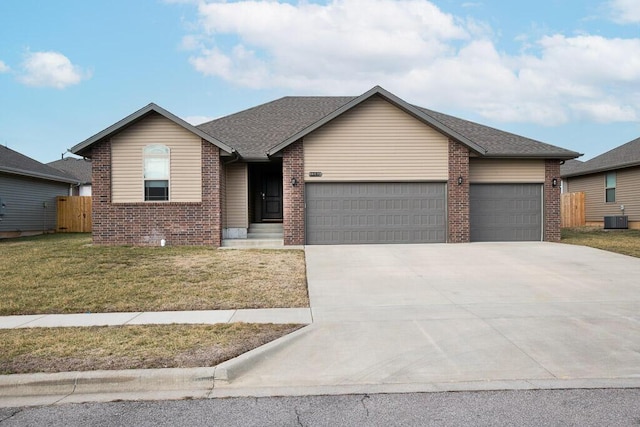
83,147
18,164
624,156
389,97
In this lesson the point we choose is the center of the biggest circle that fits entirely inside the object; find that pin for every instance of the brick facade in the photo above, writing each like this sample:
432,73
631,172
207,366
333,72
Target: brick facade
146,223
293,196
551,201
458,195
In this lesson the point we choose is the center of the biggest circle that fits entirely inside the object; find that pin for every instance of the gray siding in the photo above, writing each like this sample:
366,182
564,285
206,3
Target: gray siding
25,198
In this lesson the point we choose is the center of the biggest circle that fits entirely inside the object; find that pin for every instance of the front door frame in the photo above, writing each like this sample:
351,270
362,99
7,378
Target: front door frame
265,192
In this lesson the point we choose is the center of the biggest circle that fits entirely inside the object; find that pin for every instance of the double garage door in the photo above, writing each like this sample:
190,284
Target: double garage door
353,213
415,212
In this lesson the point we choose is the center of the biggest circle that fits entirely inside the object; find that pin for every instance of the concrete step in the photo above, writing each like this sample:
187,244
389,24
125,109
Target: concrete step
266,227
263,236
253,243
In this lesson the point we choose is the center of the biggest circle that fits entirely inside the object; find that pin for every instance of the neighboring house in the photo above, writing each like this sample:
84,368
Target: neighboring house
79,169
330,170
611,184
28,191
568,167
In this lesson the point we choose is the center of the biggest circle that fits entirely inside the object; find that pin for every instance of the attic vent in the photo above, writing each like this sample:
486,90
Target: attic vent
616,222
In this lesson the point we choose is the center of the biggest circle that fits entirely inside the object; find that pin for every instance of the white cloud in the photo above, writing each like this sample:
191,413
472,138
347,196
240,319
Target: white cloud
419,52
4,68
50,69
625,11
197,120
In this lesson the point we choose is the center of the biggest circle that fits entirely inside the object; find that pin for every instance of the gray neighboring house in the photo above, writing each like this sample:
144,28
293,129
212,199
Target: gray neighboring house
77,168
28,191
611,183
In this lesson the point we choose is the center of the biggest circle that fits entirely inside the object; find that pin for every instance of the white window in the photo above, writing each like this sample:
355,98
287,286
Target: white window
156,172
610,188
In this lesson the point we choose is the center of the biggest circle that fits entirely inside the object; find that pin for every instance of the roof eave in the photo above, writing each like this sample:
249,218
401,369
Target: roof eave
601,169
31,174
81,148
398,102
549,155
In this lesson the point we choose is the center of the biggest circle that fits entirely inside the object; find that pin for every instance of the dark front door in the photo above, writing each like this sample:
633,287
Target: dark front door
266,192
271,197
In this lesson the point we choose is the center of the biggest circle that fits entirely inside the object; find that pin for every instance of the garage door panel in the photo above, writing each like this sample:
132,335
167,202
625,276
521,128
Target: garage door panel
506,212
375,213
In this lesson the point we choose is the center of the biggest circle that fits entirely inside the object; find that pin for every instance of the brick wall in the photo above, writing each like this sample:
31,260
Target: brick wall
146,223
458,195
293,196
551,201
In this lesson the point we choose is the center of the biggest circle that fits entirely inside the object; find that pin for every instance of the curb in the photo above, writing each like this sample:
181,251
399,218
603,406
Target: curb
63,384
90,382
232,368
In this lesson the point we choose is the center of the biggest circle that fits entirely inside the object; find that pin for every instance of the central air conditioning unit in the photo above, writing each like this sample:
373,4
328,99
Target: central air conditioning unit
616,222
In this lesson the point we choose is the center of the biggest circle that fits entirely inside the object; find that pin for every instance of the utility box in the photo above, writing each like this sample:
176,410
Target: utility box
3,207
616,222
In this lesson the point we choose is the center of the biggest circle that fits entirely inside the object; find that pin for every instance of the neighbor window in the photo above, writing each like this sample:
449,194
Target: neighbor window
156,172
610,188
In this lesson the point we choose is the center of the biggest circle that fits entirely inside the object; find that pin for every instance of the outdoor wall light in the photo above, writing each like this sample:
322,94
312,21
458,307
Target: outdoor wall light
460,180
294,181
554,182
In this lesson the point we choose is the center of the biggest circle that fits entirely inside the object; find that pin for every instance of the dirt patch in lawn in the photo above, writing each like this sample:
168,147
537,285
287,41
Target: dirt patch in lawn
626,242
64,273
130,347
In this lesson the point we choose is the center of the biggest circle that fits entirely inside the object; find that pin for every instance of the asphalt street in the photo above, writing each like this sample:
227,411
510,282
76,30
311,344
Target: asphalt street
594,407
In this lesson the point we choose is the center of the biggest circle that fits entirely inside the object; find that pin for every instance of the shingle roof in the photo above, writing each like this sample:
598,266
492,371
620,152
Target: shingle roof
78,168
18,164
498,143
254,131
569,166
626,155
269,127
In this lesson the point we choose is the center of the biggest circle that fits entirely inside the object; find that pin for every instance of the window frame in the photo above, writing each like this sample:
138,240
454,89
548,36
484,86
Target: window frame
156,152
610,189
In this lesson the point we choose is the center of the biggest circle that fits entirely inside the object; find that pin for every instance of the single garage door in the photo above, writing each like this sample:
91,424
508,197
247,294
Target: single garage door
506,212
354,213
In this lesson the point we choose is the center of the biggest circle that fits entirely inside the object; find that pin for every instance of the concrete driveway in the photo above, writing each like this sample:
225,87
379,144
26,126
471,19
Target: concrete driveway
460,316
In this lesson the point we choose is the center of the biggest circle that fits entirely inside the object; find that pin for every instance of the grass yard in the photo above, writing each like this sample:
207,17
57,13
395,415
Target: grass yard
64,273
626,242
130,347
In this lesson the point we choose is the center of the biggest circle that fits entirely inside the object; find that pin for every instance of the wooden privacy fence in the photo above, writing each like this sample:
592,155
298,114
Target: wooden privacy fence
572,210
74,214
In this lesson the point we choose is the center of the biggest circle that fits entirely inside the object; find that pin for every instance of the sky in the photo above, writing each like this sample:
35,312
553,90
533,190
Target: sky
565,72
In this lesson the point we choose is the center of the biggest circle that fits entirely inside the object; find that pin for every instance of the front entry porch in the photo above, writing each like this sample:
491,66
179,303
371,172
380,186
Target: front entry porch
262,214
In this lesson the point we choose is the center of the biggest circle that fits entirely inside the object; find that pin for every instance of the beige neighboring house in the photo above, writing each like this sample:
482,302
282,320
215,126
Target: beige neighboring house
78,168
611,184
320,170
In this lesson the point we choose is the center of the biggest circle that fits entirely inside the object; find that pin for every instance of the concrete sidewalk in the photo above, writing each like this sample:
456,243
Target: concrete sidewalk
209,317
